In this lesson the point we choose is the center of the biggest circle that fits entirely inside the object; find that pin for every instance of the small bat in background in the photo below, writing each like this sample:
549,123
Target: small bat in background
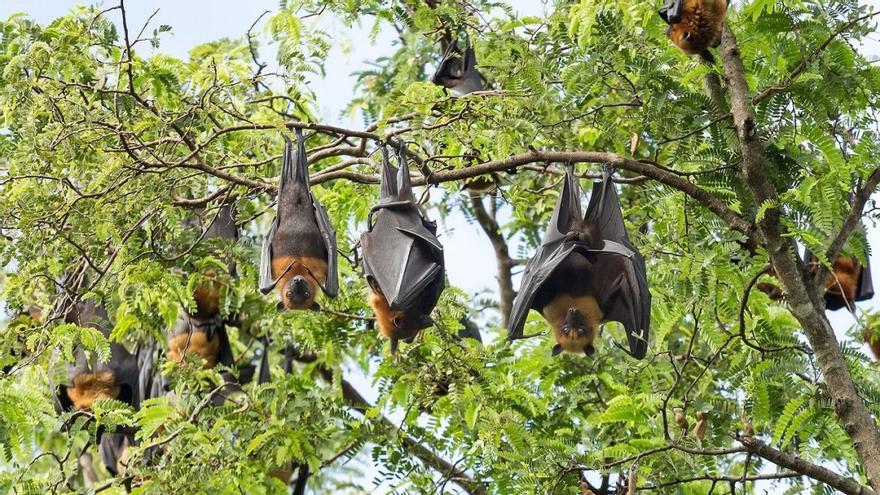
458,72
403,260
89,380
695,25
299,252
847,283
586,272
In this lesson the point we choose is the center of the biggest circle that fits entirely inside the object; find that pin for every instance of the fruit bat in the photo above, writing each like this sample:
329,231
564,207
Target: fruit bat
458,72
847,283
695,25
115,450
299,252
586,272
403,260
204,330
88,379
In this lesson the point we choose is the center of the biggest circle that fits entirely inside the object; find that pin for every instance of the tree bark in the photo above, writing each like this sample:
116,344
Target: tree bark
804,297
505,264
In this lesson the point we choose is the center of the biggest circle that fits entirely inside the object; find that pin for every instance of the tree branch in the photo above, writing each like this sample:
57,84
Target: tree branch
505,264
802,293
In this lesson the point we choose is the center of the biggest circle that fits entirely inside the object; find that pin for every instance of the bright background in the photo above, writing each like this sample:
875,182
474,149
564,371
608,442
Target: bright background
469,257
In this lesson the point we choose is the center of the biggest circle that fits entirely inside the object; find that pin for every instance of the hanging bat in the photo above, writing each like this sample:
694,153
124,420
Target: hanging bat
586,272
203,331
847,283
299,252
115,450
89,380
458,72
695,25
403,260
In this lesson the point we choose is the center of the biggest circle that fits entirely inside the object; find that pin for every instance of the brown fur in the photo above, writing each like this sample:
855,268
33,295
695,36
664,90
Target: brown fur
700,26
282,473
384,314
196,342
207,297
844,279
555,313
89,387
301,266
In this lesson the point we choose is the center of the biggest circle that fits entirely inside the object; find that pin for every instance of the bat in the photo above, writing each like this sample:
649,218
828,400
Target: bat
299,252
115,450
89,380
847,283
403,260
695,25
458,72
586,272
203,331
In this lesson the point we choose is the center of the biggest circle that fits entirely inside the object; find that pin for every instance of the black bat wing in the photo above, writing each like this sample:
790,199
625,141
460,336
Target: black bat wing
151,383
620,273
671,12
331,288
458,72
267,283
555,247
400,249
111,447
866,285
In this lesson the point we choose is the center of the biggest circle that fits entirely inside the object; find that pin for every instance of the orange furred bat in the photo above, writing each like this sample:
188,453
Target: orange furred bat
695,25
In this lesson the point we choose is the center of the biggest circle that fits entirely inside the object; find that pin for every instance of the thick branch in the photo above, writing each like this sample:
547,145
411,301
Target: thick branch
802,295
818,473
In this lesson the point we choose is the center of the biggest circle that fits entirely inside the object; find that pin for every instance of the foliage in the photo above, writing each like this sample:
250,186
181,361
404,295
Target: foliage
102,149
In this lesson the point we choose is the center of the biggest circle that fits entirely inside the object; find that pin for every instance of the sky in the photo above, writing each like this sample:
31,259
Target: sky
469,257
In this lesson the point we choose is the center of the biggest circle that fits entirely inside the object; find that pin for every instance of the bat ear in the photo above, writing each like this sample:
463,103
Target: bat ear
280,306
590,350
557,350
315,306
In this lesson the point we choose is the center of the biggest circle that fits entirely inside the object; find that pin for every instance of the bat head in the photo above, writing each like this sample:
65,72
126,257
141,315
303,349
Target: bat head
299,293
207,296
576,324
396,324
683,38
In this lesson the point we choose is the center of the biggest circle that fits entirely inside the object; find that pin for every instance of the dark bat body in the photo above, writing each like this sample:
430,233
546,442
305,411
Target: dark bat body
695,25
89,380
203,331
299,252
586,272
115,450
403,260
847,283
458,72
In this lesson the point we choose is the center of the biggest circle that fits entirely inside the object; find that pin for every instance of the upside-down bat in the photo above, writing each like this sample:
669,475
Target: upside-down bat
403,260
586,272
695,25
299,252
203,331
458,72
115,450
88,379
847,283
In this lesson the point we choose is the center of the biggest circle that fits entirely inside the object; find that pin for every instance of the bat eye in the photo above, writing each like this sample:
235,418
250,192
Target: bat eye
686,35
397,321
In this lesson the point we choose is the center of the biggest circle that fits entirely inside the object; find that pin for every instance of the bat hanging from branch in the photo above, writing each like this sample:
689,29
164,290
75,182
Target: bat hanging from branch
403,260
299,252
88,379
586,272
695,25
458,72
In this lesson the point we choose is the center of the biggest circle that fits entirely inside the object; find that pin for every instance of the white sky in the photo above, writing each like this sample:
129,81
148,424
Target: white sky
469,257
